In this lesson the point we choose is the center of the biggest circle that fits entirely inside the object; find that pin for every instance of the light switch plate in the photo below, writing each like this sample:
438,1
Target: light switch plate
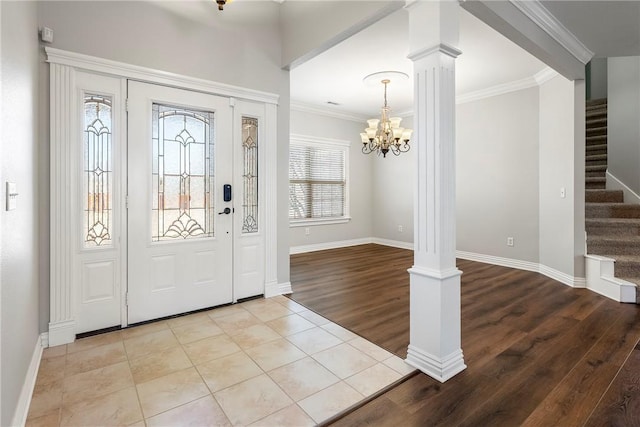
12,196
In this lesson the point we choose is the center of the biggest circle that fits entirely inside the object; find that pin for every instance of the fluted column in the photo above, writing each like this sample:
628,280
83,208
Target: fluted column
435,346
63,218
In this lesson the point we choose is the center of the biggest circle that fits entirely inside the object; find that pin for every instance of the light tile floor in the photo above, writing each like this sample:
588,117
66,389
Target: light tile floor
266,362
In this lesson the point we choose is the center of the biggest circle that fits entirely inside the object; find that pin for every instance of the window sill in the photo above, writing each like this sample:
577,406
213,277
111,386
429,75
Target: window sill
318,221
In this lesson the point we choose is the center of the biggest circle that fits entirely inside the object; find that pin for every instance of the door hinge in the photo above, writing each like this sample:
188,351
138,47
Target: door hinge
126,104
126,202
126,299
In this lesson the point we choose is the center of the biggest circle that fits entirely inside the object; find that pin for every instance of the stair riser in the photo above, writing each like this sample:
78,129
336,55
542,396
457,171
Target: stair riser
604,197
613,248
596,132
622,211
594,186
596,149
613,230
595,174
595,142
596,163
595,114
596,122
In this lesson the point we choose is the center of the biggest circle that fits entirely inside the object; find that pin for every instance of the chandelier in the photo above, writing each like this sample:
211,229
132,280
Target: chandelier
385,134
221,4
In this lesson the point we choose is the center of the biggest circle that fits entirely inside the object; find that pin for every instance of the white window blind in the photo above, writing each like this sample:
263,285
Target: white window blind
317,181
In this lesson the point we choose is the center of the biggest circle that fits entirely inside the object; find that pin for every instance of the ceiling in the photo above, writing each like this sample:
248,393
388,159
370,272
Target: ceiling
487,59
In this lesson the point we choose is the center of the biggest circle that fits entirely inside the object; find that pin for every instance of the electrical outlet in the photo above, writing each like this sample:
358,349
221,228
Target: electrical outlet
400,228
307,231
509,241
563,192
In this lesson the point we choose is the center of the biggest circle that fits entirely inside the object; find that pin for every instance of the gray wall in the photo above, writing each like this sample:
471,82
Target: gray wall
220,48
19,228
562,166
497,175
392,184
360,226
623,120
598,78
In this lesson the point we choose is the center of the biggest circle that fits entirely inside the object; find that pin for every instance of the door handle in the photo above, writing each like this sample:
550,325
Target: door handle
226,211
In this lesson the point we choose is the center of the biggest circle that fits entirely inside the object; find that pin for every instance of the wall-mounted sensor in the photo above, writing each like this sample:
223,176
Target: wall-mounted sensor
12,196
46,34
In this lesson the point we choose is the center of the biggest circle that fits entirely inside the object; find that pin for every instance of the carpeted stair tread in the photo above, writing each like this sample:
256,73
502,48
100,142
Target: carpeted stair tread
596,147
603,196
597,131
596,122
626,267
612,210
614,245
595,182
599,168
596,139
596,112
593,102
593,157
613,227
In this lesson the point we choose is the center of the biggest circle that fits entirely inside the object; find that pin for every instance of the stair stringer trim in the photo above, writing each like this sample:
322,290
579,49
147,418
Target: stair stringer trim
600,272
614,183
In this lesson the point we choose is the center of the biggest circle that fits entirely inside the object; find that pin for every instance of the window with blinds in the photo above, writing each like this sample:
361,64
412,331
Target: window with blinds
317,181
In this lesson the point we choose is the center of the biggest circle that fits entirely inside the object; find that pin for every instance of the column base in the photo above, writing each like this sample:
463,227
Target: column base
439,369
62,332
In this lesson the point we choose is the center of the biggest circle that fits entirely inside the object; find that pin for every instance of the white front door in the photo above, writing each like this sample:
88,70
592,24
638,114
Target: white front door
180,240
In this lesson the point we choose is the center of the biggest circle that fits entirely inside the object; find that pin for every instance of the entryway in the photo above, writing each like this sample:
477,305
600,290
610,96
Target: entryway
159,203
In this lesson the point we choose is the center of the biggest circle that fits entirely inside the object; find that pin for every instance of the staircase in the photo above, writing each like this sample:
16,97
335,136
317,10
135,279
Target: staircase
613,227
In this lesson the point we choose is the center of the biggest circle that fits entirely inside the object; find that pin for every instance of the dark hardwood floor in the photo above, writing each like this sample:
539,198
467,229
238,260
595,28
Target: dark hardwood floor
538,353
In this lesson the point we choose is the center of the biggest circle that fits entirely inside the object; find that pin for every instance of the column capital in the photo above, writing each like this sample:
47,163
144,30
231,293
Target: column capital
442,48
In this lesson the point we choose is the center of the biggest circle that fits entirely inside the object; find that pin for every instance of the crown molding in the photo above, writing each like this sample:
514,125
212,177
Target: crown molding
496,90
548,23
545,75
327,112
537,79
442,48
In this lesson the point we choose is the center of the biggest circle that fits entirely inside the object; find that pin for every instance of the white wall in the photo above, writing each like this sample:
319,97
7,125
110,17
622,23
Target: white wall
360,226
562,166
19,228
623,120
392,184
240,47
497,175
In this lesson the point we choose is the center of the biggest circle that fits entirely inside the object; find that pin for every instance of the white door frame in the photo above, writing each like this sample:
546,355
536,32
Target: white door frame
64,115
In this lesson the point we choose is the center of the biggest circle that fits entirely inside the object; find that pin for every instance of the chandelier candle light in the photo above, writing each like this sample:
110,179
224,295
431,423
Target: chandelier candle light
385,134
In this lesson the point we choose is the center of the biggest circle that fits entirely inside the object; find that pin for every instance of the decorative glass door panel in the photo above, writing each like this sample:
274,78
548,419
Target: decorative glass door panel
180,156
98,173
183,173
250,175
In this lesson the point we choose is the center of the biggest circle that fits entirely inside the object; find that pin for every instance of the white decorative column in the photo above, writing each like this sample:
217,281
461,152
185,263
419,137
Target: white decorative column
434,346
62,325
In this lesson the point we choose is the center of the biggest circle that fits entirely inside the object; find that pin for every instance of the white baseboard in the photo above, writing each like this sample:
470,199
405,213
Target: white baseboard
24,401
614,183
574,282
392,243
504,262
329,245
274,289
